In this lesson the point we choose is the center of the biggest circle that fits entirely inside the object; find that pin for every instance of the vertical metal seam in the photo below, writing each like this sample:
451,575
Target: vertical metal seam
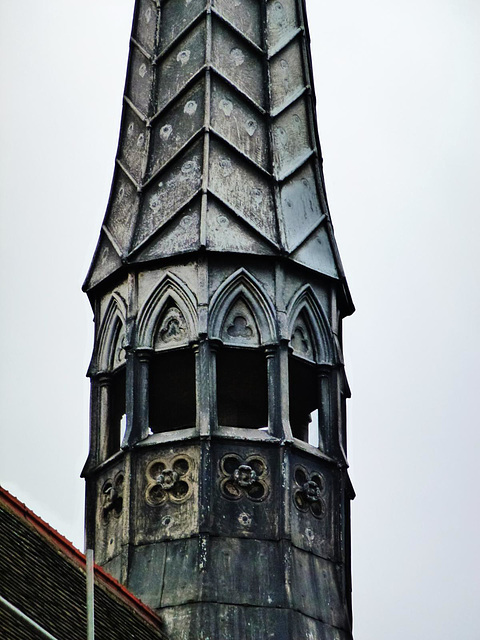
206,125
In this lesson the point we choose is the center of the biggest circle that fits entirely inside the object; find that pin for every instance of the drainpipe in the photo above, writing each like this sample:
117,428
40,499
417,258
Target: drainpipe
90,595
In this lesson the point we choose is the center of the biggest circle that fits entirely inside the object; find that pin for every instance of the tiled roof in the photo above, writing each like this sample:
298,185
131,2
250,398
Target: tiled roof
43,575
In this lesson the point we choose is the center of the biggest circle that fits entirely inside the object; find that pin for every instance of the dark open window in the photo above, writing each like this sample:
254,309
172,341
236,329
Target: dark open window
117,411
242,392
303,400
172,390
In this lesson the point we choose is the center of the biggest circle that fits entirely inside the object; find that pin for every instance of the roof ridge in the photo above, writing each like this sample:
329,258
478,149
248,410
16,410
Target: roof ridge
70,550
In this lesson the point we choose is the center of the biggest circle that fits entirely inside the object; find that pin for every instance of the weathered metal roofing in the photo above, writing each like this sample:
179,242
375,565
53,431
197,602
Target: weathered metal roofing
219,146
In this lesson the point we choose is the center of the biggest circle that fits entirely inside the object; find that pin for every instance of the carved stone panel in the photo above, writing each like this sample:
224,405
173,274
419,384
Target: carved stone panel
109,514
314,510
239,327
118,351
309,491
302,339
169,480
246,491
166,494
244,478
172,329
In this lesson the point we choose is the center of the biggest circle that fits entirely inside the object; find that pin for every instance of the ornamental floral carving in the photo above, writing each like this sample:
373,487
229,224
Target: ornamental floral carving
309,490
169,480
172,329
112,496
244,477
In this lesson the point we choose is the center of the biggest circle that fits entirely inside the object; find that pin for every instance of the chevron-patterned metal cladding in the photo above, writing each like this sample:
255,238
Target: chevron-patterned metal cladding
219,102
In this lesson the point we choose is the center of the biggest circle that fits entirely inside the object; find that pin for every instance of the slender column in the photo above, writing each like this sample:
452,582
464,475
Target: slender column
336,414
325,424
207,421
138,409
283,391
343,394
274,409
106,439
206,386
93,451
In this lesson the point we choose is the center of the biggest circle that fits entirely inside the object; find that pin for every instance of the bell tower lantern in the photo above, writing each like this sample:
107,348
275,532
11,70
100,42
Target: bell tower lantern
216,484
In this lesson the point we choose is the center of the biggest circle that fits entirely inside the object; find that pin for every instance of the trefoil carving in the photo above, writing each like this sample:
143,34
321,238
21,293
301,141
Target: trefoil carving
240,326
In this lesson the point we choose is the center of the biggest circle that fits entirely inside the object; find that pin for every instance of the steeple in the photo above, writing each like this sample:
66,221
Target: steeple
217,484
218,146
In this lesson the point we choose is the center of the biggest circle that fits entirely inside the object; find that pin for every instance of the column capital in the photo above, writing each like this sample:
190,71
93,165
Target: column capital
144,354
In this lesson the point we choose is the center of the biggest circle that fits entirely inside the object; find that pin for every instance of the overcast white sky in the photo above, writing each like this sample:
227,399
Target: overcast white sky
398,92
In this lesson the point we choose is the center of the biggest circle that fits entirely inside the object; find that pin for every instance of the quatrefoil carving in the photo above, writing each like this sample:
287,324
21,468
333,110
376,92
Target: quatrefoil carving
244,477
169,480
309,491
112,496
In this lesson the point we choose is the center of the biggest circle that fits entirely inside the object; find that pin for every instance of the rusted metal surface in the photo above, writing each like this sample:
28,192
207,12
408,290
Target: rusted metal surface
218,297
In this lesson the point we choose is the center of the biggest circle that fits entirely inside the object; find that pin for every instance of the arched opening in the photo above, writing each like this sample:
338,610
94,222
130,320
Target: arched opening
307,420
111,382
167,325
172,400
117,411
242,390
242,319
304,400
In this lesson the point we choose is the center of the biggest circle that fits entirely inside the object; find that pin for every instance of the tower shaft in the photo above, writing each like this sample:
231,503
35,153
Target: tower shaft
217,484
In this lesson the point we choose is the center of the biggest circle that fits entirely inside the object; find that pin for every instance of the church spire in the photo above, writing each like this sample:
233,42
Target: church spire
217,482
218,147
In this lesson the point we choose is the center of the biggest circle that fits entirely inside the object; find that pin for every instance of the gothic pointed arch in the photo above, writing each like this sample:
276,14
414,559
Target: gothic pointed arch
169,316
240,312
110,351
310,332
